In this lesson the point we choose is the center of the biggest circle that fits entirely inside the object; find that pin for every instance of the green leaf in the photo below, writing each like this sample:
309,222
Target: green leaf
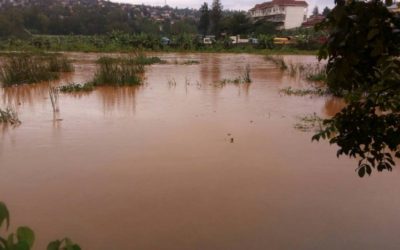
22,245
25,234
4,215
76,247
372,33
54,245
369,170
361,172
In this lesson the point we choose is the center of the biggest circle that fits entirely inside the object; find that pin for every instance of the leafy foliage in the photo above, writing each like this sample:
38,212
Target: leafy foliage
363,67
24,238
204,22
216,16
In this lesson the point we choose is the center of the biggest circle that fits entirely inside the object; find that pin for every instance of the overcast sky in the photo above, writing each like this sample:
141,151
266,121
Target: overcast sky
231,4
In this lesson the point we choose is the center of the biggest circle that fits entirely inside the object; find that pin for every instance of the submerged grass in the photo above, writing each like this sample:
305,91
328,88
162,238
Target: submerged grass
278,61
9,116
118,71
303,92
308,123
309,72
21,68
77,87
244,78
142,59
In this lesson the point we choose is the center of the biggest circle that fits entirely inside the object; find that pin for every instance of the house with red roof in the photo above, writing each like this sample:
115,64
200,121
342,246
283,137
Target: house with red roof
287,14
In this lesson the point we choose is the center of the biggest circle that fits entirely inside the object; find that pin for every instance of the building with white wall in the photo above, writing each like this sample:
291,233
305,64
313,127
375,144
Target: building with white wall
287,14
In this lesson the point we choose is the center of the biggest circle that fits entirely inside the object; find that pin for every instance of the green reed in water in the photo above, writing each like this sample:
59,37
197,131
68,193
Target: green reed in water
22,68
118,71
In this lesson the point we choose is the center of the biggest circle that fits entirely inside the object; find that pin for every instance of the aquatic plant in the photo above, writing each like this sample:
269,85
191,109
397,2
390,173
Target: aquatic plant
53,94
60,64
309,72
171,82
9,116
118,71
141,59
278,61
310,122
244,78
246,75
190,62
303,92
24,238
20,68
77,87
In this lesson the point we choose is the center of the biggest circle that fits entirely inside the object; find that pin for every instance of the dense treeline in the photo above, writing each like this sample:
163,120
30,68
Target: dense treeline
114,27
57,19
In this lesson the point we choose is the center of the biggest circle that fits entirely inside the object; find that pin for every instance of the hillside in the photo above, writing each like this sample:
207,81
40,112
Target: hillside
90,17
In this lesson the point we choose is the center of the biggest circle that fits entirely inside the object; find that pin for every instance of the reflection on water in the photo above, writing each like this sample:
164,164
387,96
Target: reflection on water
155,166
118,98
333,106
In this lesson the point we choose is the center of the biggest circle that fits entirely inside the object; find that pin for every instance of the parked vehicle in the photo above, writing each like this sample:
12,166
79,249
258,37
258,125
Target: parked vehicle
165,41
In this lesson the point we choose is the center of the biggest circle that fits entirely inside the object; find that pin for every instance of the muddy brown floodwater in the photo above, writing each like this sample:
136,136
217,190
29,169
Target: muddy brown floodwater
154,167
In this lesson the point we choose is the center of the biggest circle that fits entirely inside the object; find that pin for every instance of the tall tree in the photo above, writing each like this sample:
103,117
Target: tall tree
326,11
216,16
363,66
204,22
315,11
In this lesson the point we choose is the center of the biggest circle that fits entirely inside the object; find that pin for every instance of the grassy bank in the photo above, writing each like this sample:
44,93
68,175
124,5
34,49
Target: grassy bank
122,44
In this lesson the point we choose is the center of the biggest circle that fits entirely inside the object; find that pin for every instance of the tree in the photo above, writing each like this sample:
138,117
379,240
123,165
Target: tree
237,24
204,22
216,16
326,11
363,67
315,11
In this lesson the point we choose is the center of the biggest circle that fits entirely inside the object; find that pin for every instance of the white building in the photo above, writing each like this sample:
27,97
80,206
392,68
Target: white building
288,14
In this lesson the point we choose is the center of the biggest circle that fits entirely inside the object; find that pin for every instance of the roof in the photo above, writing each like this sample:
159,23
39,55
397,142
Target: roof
313,20
280,3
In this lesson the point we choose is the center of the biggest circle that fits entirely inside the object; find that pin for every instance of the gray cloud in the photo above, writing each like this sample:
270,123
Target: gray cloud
234,5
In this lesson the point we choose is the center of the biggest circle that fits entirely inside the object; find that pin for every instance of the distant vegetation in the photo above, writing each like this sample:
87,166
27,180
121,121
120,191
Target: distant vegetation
107,26
20,68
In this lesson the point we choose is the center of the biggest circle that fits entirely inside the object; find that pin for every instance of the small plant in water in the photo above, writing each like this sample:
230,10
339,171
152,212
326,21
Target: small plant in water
53,94
303,92
20,68
246,75
278,61
76,87
190,62
141,59
244,78
308,123
118,71
9,116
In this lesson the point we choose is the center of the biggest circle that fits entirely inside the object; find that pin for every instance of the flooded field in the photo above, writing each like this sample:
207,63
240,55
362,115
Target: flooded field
185,162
